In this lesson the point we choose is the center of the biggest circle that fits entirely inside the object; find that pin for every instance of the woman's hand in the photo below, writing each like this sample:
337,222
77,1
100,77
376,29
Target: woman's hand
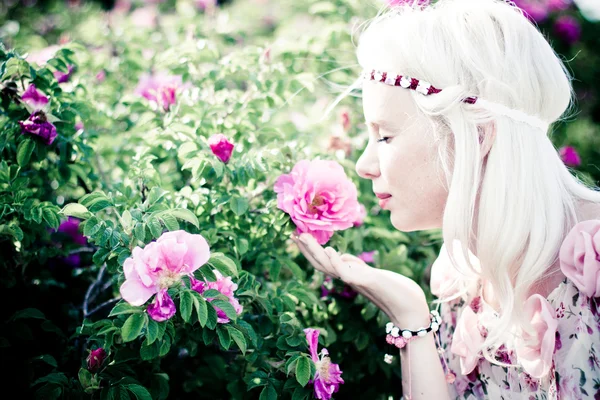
399,297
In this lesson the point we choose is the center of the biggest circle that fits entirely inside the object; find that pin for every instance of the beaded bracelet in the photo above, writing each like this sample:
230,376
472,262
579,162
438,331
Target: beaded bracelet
400,337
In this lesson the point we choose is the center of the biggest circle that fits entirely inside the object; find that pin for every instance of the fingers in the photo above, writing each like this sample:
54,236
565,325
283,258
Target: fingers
321,263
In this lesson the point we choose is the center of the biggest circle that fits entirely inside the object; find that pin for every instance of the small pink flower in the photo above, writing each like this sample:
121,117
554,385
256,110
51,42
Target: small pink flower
580,257
95,359
162,264
467,340
71,228
100,76
63,77
559,5
145,17
221,147
162,308
226,287
535,350
319,198
34,98
367,256
328,377
160,88
37,124
345,120
206,5
568,28
78,125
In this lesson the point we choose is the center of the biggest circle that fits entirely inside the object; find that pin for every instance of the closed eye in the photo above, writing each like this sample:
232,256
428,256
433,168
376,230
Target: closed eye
384,139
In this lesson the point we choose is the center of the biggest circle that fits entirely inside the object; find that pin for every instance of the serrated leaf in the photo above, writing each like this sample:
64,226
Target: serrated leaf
268,393
170,222
124,308
140,392
186,215
24,151
238,338
186,301
76,210
239,205
201,308
132,328
226,307
224,337
303,370
224,264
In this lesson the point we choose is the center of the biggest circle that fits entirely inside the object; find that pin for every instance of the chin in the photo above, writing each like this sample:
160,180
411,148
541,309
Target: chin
411,224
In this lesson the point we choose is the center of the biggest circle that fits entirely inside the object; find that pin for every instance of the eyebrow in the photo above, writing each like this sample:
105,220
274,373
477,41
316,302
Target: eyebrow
381,124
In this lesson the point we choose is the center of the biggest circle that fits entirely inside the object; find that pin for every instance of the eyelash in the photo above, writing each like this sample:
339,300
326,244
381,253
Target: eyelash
385,139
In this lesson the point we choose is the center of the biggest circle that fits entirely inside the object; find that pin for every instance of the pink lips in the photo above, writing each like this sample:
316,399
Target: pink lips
383,199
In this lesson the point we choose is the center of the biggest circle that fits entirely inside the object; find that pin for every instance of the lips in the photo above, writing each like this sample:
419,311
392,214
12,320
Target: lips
383,195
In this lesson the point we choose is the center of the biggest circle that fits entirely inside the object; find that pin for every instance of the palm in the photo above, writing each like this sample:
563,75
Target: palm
385,288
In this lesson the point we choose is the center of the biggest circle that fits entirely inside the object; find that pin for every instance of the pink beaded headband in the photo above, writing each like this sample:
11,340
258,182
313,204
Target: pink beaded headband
425,88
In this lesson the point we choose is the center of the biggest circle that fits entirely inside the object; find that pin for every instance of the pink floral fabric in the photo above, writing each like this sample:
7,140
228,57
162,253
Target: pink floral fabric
558,359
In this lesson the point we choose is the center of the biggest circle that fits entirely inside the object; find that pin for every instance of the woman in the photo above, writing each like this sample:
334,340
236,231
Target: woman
459,98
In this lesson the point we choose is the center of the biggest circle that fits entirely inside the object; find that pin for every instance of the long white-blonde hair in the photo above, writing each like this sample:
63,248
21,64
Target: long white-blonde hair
514,210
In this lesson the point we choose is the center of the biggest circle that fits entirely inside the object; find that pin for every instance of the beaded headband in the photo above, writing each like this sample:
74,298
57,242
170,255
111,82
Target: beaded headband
425,88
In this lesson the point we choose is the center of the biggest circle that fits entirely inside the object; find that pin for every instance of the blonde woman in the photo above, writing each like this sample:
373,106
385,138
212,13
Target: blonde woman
459,98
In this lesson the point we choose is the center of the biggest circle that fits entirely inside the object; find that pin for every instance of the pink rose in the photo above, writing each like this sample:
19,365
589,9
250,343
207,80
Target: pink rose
319,198
467,340
34,98
162,308
367,256
536,348
328,376
162,264
221,147
580,257
226,287
160,88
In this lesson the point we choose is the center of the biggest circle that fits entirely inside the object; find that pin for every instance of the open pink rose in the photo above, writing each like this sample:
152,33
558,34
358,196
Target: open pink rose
162,264
319,198
580,257
535,350
569,156
467,340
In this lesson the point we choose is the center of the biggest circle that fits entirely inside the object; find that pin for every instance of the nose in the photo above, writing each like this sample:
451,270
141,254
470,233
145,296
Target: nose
367,166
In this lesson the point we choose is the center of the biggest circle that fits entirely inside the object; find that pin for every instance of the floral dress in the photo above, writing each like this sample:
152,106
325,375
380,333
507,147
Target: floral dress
559,360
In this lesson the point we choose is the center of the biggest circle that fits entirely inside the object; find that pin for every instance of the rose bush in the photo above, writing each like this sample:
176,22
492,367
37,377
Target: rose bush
155,161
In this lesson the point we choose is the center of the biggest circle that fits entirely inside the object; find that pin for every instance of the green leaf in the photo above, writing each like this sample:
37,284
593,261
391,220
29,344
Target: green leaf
239,205
51,218
170,222
186,301
48,359
154,331
24,151
186,215
96,201
85,378
224,337
155,227
211,320
201,308
303,370
76,210
268,393
133,327
140,392
28,313
226,307
238,338
224,264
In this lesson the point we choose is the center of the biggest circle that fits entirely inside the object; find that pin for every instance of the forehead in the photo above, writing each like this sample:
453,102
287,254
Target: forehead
383,103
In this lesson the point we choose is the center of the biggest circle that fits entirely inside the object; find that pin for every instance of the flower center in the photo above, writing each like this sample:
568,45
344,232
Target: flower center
323,368
168,279
317,201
